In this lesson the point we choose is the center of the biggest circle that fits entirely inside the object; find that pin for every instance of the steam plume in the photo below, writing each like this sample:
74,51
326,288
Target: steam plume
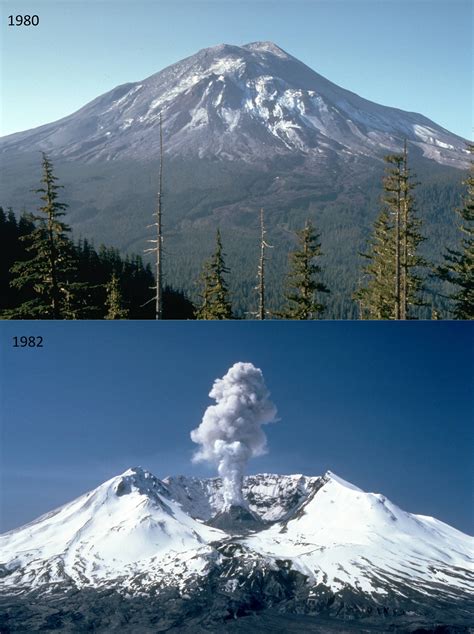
231,430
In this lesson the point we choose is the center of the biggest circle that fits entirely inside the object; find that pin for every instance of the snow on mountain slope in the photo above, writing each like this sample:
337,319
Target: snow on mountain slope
249,102
121,526
135,532
344,536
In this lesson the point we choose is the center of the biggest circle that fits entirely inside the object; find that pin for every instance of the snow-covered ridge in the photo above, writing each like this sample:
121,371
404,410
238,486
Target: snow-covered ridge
342,533
122,525
267,47
138,529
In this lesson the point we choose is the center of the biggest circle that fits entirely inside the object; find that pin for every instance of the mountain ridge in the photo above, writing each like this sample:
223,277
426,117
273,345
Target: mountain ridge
237,102
327,546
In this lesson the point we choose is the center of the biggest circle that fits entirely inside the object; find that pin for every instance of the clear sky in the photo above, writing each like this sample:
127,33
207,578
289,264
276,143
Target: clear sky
411,54
387,406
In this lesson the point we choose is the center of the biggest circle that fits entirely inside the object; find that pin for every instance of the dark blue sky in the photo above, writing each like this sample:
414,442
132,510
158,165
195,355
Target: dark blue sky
387,406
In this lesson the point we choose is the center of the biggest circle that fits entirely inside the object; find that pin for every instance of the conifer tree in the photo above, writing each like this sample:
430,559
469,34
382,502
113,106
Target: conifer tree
114,300
302,280
411,283
50,270
215,303
377,298
86,297
458,268
392,280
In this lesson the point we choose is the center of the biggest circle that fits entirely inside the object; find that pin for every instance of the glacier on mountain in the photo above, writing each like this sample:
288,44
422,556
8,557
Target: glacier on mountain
137,526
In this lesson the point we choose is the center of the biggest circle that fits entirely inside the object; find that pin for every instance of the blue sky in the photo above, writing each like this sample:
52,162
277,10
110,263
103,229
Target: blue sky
411,54
386,406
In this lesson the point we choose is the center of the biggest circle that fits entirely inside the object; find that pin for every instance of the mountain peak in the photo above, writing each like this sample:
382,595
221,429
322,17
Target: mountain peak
266,47
137,472
151,542
250,103
137,479
332,477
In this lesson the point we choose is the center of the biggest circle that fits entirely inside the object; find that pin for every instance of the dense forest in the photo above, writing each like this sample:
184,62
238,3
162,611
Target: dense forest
101,283
44,274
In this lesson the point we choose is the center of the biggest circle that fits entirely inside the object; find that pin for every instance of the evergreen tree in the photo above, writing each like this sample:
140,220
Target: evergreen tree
411,283
215,303
206,292
114,301
392,282
86,297
49,272
302,281
459,264
377,299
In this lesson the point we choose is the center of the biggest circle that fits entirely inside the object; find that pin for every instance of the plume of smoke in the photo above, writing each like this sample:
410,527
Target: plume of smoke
231,431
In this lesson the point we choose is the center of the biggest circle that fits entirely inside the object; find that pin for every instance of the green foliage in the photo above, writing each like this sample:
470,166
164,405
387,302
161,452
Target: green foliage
302,281
201,195
377,299
214,294
50,270
95,269
458,267
391,283
114,300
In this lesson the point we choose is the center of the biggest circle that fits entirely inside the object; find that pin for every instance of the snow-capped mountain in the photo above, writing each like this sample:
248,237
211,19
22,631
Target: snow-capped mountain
244,128
248,102
112,530
343,536
319,543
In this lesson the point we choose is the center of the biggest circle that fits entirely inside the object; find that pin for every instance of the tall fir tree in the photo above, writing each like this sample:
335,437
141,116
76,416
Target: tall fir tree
377,299
50,271
411,262
114,300
214,296
458,267
392,283
303,281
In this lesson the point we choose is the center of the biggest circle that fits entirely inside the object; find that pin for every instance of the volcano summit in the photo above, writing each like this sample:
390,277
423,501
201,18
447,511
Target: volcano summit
252,103
138,552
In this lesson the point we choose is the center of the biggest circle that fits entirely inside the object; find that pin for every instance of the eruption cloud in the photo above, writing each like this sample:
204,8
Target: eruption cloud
231,431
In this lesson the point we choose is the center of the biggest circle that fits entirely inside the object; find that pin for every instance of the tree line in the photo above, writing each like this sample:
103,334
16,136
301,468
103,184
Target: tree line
44,274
